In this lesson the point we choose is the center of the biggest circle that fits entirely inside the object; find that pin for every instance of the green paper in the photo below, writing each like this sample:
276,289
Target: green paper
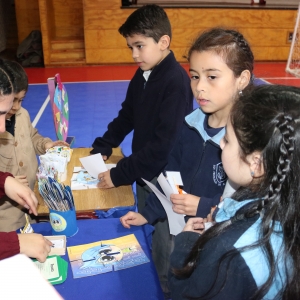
54,269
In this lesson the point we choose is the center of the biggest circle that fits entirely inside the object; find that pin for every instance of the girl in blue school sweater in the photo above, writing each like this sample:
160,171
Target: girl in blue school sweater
252,252
221,65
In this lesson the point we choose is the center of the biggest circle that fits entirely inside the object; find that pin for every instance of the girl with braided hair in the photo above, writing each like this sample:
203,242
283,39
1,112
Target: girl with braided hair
221,65
252,252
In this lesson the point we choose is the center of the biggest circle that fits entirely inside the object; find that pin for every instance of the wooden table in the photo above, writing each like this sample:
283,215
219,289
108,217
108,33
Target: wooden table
93,199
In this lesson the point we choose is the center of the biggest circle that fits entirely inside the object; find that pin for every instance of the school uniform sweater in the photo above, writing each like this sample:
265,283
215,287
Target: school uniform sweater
241,274
154,110
197,156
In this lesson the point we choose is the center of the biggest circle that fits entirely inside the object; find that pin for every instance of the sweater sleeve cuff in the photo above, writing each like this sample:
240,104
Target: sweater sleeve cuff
3,176
206,204
151,215
9,244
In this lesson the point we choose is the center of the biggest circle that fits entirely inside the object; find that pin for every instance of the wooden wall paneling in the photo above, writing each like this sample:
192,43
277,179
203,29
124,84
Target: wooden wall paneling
238,18
106,39
46,17
27,15
101,4
108,56
96,22
68,18
105,19
261,27
103,43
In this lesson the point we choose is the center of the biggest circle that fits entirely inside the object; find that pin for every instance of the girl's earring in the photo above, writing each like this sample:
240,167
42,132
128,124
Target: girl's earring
240,92
252,174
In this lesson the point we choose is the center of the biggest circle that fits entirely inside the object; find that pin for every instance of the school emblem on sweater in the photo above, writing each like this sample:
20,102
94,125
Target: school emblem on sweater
219,176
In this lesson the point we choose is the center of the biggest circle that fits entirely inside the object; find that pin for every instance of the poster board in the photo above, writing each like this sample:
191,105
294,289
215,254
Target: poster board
59,102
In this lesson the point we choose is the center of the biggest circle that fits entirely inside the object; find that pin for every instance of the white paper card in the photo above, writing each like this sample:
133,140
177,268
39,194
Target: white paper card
176,221
174,179
93,164
49,269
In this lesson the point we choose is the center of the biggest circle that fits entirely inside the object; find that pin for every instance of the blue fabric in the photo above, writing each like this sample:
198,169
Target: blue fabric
140,282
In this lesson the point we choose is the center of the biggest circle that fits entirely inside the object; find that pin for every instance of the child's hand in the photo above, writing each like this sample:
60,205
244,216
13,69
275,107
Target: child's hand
22,179
21,194
105,180
104,157
195,225
56,143
133,218
34,245
209,216
185,204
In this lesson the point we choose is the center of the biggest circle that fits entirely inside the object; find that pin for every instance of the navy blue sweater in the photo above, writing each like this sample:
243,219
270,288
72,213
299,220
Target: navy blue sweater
238,276
155,110
197,156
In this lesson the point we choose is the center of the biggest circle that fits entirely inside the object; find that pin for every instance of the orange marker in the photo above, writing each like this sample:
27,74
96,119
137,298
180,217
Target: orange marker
179,189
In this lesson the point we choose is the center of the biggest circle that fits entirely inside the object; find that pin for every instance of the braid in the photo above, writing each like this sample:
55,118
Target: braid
243,44
286,129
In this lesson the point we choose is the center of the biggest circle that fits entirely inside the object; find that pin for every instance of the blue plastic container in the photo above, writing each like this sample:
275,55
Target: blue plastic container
63,222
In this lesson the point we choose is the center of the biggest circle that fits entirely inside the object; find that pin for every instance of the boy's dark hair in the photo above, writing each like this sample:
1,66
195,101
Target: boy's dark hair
20,79
150,21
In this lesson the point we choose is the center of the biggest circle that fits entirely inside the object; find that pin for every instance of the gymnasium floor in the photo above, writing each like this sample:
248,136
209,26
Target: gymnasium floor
96,93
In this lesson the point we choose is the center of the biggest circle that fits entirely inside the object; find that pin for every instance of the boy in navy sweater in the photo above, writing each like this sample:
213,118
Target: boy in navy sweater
157,100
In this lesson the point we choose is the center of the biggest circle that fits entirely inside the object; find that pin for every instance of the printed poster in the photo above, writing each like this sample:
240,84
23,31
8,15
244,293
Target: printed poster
106,256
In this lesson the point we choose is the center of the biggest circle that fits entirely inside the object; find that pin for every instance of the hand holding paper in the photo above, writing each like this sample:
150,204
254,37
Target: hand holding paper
93,164
105,181
186,204
176,221
96,167
34,245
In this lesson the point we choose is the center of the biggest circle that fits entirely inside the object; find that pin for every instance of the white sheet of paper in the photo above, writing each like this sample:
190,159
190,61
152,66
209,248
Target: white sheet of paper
165,186
174,178
93,164
20,279
176,221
